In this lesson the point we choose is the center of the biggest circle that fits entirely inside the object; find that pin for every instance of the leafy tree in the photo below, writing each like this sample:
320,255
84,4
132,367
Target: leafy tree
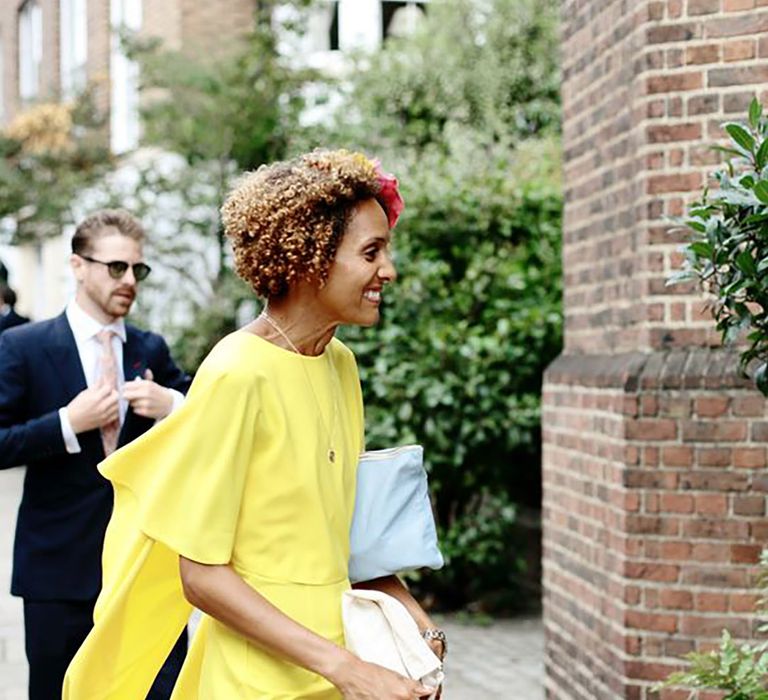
49,154
489,66
212,118
240,107
456,363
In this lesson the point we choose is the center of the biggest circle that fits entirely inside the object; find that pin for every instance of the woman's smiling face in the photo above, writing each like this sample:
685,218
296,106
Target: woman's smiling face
362,266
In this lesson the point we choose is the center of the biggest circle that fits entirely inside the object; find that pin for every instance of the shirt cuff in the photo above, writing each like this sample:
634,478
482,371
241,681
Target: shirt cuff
70,439
178,402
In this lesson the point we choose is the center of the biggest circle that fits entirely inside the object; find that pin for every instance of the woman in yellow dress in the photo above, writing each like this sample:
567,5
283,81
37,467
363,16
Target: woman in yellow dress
240,503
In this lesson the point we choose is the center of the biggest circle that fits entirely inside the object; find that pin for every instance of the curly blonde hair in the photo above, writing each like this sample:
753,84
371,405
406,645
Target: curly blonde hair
285,220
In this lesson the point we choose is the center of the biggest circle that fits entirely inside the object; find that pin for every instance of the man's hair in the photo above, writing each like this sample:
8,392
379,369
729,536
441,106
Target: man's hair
7,295
105,223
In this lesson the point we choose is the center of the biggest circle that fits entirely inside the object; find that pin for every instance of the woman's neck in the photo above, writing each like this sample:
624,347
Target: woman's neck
293,327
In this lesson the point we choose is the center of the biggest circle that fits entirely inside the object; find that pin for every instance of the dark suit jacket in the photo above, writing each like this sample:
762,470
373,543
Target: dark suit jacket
11,319
66,503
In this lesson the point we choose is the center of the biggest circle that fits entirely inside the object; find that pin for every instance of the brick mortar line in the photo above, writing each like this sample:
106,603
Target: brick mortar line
624,607
589,520
640,101
635,442
654,72
584,634
553,488
643,585
654,537
590,219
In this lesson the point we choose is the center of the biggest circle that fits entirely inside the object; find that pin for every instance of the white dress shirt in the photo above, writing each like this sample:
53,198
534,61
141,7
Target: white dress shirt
85,329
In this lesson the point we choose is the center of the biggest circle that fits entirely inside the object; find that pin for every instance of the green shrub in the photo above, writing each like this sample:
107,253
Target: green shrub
456,363
727,252
465,112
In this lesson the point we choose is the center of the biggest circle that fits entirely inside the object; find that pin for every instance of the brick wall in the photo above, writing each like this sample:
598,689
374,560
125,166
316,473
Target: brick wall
654,508
99,49
646,86
209,27
201,28
162,19
654,446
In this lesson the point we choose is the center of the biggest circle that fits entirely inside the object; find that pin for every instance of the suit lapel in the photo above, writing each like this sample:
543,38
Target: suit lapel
134,360
62,351
134,365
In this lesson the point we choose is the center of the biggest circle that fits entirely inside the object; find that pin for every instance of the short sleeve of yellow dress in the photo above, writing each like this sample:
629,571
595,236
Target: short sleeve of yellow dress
257,471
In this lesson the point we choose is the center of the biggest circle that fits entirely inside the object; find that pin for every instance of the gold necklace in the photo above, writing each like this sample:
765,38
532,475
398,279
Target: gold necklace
331,451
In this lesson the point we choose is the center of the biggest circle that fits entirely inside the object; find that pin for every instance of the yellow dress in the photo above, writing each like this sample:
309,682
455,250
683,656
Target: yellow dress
239,475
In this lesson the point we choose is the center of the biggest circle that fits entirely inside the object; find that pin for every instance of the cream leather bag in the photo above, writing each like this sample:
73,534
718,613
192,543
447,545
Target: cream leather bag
379,629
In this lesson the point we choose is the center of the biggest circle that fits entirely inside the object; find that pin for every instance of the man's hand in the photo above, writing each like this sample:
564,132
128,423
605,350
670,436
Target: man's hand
147,398
92,408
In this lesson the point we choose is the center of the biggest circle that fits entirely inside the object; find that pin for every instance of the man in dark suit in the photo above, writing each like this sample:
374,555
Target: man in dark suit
73,388
8,316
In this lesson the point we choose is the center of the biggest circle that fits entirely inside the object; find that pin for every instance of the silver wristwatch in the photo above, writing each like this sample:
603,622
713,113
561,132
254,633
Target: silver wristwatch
435,633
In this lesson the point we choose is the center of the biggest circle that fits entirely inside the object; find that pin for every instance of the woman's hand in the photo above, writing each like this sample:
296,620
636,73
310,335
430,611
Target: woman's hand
359,680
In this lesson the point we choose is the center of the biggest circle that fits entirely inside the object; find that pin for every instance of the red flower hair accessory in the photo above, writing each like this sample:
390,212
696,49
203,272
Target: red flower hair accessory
389,196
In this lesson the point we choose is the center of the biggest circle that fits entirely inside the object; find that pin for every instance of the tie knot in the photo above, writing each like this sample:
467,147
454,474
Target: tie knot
104,336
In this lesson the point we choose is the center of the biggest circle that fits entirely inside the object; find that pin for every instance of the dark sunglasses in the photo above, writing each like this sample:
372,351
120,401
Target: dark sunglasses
118,268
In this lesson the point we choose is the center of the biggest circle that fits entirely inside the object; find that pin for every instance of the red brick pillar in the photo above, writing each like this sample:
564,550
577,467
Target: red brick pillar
654,447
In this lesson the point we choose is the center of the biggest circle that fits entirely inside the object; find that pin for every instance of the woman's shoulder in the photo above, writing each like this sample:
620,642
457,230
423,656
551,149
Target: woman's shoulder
341,353
237,356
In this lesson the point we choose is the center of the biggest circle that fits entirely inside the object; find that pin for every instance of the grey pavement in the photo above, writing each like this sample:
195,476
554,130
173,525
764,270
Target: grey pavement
501,660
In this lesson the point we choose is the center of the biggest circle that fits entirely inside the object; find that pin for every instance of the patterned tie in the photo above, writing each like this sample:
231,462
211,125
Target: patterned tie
110,431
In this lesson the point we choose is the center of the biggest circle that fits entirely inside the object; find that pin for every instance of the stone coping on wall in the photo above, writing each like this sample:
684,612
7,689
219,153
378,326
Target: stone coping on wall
693,368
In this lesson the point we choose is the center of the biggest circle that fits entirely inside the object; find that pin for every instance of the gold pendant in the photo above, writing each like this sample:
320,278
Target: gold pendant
331,455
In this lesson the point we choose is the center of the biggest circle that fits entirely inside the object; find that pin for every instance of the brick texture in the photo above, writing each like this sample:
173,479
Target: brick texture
652,526
653,443
646,86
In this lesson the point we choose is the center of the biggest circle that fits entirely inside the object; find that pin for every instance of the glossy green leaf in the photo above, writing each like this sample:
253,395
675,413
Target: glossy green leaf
741,136
702,249
761,157
761,191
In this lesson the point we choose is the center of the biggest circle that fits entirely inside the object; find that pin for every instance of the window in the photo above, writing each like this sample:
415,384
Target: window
30,49
400,18
124,78
74,46
323,27
359,24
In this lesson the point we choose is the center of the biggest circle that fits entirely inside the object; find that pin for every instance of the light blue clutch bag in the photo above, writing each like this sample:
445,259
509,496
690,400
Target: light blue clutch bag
393,528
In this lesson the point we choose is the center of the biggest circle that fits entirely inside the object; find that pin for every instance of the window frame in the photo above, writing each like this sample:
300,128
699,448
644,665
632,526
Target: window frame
73,46
29,25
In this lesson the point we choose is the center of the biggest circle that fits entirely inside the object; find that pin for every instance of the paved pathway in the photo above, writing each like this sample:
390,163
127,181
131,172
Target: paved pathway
502,660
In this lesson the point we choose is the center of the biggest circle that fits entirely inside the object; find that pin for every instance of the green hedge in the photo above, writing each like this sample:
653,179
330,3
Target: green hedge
456,363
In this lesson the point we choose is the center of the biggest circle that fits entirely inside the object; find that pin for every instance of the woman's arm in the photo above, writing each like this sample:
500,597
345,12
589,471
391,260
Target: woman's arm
219,592
392,585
